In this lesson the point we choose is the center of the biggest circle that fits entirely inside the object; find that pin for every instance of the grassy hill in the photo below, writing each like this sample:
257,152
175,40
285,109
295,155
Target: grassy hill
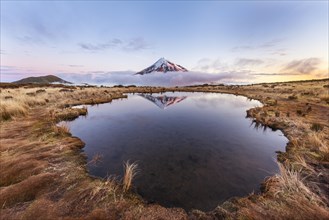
42,80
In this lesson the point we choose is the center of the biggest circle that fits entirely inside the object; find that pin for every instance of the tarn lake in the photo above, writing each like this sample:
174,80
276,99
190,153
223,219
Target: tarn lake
193,150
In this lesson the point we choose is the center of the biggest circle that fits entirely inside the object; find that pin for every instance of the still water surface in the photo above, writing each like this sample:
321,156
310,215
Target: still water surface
193,150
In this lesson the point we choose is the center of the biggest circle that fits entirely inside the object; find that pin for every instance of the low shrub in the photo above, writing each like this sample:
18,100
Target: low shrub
299,112
292,97
316,127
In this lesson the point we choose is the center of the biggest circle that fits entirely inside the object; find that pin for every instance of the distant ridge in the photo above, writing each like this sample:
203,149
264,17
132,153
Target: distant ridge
162,65
42,80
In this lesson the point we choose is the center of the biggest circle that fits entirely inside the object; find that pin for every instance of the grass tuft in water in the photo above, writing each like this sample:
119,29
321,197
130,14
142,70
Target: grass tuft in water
130,173
97,159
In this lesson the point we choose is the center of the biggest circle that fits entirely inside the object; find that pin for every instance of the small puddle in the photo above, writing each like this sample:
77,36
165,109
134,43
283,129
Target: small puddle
193,150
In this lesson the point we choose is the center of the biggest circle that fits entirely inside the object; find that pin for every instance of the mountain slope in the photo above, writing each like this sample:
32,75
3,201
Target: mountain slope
42,80
162,65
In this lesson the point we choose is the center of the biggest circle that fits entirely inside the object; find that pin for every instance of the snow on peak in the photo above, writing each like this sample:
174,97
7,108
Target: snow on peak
163,65
161,61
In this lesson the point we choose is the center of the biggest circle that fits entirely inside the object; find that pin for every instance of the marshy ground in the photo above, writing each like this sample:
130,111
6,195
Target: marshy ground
44,176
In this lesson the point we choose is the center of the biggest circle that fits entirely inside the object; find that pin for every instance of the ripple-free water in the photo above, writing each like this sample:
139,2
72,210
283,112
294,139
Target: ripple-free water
194,150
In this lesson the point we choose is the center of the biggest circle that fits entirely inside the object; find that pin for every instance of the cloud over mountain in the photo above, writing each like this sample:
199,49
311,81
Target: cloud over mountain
154,79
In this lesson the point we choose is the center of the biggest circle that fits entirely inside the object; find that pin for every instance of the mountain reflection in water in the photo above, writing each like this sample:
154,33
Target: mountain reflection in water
163,101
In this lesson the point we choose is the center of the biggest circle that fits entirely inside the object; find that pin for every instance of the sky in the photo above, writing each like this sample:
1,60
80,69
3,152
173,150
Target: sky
217,41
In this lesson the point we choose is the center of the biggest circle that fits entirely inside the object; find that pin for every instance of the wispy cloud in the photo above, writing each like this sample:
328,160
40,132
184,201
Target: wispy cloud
274,74
37,30
12,73
203,64
265,45
248,62
271,43
93,47
74,65
280,52
303,66
101,46
322,74
217,65
209,65
40,28
30,40
6,68
134,44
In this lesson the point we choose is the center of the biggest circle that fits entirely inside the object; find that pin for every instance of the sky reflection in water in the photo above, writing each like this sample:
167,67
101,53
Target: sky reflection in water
194,150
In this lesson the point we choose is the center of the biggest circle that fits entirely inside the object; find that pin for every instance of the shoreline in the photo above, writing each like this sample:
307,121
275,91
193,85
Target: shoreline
131,205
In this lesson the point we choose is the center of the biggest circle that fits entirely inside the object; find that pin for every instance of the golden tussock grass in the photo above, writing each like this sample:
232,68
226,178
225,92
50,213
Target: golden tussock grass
10,109
292,192
325,98
112,185
291,182
17,103
316,139
290,197
301,162
63,129
130,173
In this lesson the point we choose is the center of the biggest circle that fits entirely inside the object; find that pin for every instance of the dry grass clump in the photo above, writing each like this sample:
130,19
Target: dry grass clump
31,101
271,102
291,181
63,129
317,140
294,200
19,103
68,114
325,98
10,109
130,173
286,197
301,164
112,185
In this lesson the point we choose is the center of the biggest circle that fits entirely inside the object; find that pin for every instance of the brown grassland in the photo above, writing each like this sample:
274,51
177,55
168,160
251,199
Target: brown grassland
43,171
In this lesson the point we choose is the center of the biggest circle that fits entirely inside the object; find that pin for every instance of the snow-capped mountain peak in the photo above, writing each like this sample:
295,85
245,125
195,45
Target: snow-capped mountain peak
163,65
161,61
